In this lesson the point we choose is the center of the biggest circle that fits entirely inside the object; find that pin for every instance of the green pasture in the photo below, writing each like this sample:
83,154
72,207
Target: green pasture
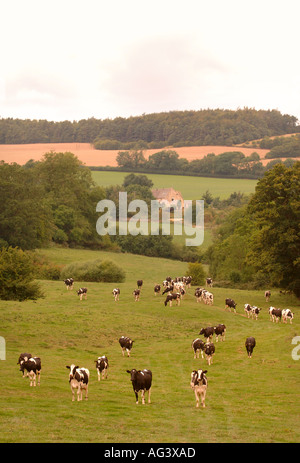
248,400
190,187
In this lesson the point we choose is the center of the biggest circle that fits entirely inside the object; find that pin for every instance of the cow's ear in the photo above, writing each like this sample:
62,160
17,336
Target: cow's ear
67,366
204,371
128,371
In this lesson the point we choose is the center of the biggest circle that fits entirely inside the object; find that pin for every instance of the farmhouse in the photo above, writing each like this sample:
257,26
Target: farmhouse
166,196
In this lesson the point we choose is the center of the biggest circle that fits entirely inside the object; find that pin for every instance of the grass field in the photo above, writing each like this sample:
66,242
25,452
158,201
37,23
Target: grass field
189,187
248,400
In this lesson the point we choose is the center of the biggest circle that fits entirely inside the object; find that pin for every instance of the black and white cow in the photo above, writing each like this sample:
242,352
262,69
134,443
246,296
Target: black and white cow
208,332
209,351
275,314
287,314
22,357
209,282
78,379
102,367
230,304
198,346
267,295
82,292
157,289
126,344
172,297
141,381
250,344
188,281
136,293
199,385
198,294
139,284
33,366
220,330
168,289
69,282
248,309
116,294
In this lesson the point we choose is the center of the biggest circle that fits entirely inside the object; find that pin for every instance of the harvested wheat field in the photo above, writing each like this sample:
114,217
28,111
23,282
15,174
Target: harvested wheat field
92,157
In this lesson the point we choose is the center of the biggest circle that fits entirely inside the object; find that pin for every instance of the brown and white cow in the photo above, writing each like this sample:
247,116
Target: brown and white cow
220,330
209,351
69,282
136,293
267,295
198,346
275,314
172,297
116,293
250,344
199,385
78,379
157,289
287,314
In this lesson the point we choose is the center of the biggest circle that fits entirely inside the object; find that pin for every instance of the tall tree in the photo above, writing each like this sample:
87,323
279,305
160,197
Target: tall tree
275,245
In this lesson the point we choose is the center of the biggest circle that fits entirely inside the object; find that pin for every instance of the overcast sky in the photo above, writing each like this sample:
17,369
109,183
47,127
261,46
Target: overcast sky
72,60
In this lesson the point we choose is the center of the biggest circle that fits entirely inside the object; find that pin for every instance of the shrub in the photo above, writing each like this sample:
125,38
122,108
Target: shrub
196,271
95,270
17,275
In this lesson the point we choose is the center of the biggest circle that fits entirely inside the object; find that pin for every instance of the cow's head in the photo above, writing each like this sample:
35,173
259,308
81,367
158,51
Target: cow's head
132,373
198,377
72,369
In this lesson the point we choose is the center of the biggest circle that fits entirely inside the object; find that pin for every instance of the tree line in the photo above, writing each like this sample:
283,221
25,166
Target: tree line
158,130
233,164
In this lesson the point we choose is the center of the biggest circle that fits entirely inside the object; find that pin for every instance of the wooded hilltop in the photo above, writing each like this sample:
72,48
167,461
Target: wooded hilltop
158,130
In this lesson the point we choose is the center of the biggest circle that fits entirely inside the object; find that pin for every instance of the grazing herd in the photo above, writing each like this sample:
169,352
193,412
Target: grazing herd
142,379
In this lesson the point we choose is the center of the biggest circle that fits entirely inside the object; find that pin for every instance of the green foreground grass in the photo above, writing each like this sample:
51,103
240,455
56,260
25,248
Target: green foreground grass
190,187
248,400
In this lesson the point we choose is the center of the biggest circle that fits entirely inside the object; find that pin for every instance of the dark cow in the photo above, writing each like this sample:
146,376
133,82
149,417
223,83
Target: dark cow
22,357
207,332
141,381
220,330
275,314
198,346
139,284
199,386
188,281
168,289
33,366
78,379
156,289
172,297
267,295
209,282
250,344
230,304
82,292
116,293
69,282
209,351
126,344
287,314
102,367
136,294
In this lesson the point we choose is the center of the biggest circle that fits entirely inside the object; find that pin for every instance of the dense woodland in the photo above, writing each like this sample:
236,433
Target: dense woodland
175,128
